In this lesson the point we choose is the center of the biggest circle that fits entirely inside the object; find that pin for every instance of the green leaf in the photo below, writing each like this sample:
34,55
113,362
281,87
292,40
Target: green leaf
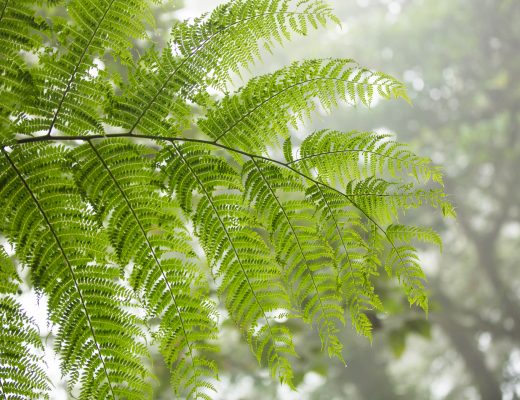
397,341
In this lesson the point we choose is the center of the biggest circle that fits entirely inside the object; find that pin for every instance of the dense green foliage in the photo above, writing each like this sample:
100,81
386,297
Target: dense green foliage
108,192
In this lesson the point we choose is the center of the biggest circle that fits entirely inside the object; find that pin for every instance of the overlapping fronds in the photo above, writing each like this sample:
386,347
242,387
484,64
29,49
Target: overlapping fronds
203,53
248,275
356,254
250,25
98,338
360,217
213,171
17,26
70,83
15,86
21,365
262,111
306,258
110,224
145,229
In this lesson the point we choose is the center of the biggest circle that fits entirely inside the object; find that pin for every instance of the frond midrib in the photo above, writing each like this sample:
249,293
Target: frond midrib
332,152
336,227
268,99
228,236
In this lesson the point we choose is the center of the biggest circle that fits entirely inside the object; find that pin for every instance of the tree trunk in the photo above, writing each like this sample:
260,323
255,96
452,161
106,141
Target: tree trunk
463,341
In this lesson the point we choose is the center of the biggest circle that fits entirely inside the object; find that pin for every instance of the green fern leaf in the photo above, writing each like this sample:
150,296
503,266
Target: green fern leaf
69,93
15,86
58,239
18,26
203,54
145,228
248,277
403,262
306,259
262,111
403,233
370,198
214,171
357,262
362,155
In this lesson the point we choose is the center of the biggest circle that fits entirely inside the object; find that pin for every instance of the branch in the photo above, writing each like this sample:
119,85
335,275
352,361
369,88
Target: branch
173,140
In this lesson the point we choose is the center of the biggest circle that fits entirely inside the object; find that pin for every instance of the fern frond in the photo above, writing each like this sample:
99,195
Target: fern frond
357,258
353,156
145,229
15,86
21,363
250,25
204,53
401,259
306,259
262,111
248,277
99,341
150,102
403,262
214,171
368,197
406,234
69,93
384,200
